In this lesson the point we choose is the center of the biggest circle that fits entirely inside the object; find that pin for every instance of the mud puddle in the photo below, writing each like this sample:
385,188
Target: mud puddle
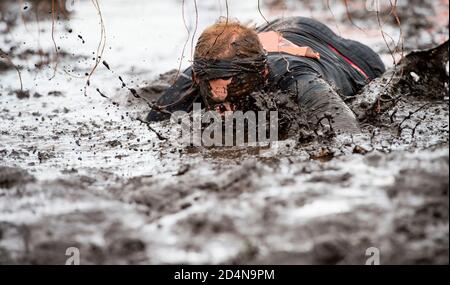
81,171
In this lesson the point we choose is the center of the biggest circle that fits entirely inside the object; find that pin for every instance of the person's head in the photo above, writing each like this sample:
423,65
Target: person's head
229,62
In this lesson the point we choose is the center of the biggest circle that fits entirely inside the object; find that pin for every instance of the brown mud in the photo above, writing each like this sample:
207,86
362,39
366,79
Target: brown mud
331,200
84,172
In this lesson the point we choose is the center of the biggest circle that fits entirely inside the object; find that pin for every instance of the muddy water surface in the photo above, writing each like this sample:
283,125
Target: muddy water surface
78,169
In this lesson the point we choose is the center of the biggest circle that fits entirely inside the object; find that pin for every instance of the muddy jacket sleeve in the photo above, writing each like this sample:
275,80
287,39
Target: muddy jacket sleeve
175,98
320,100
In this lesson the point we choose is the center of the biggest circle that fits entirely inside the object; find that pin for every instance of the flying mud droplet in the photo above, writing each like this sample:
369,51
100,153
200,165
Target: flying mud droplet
81,38
134,92
106,64
123,83
101,94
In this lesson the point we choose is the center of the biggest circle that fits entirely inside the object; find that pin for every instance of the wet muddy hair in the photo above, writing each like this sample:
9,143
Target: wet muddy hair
228,39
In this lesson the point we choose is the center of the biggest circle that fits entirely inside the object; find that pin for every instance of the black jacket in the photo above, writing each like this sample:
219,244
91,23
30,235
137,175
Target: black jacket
319,84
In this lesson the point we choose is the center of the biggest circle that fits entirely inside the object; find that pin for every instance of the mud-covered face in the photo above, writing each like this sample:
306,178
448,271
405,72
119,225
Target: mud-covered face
225,85
230,93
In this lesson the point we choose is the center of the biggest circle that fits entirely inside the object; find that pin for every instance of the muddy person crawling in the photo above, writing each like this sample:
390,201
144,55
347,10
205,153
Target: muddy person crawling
299,56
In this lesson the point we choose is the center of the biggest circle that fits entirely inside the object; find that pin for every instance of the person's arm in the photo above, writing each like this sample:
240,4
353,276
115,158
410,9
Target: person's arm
320,100
175,98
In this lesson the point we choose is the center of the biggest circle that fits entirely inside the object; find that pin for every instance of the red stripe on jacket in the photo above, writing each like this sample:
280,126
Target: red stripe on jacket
349,61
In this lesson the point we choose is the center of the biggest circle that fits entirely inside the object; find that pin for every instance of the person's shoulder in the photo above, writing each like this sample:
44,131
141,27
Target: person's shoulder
284,62
285,69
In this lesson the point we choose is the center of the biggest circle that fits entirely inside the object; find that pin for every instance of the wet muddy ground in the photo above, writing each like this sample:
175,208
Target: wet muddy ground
80,170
